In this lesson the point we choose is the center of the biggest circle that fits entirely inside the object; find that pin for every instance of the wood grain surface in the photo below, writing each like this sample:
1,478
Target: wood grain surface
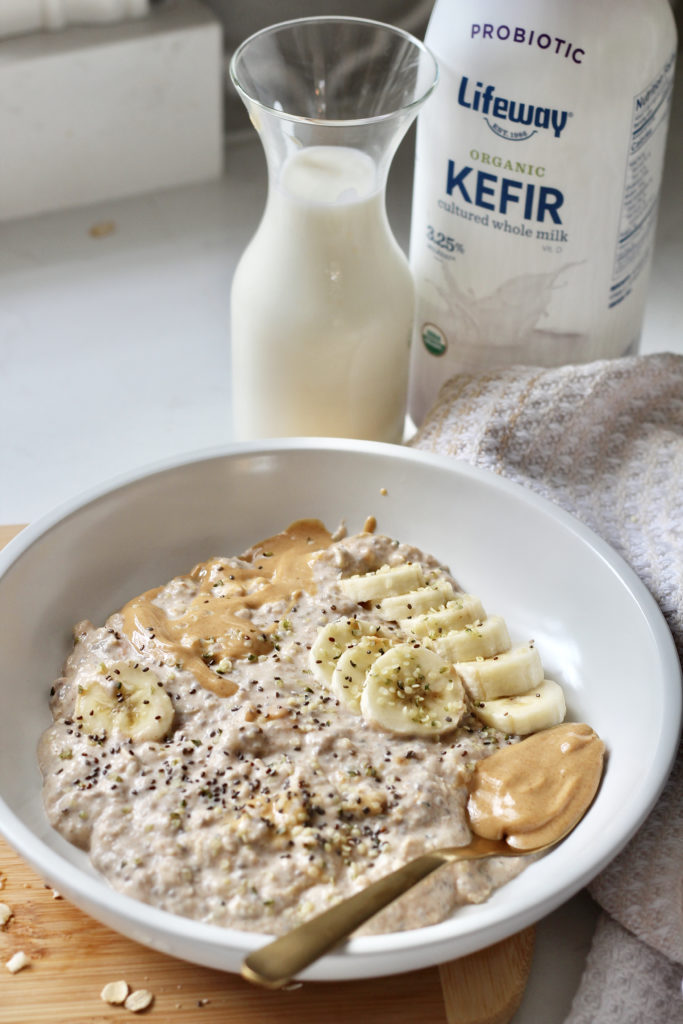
7,532
73,956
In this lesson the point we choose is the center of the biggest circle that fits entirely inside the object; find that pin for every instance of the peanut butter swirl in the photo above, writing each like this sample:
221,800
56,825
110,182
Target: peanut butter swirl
217,625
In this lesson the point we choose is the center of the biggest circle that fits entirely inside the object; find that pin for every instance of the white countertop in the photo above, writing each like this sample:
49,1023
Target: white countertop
114,352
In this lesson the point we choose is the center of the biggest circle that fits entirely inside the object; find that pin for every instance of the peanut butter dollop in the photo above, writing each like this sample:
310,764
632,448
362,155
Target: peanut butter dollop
534,791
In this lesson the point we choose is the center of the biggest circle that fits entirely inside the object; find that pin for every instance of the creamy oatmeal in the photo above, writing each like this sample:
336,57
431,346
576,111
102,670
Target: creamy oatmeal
268,733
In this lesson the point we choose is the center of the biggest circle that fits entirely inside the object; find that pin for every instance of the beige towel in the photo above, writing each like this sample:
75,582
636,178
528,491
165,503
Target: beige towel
626,982
604,441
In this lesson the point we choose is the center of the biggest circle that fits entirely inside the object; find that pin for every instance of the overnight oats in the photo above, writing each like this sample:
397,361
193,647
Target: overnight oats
256,739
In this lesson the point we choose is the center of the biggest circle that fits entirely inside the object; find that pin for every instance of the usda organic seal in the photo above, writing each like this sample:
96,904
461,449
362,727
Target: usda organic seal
434,339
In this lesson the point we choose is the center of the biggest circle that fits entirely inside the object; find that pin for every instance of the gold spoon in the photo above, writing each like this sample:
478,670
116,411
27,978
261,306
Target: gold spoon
280,960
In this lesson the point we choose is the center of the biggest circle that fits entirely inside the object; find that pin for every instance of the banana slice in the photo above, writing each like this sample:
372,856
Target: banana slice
539,708
412,691
416,602
390,579
458,613
479,640
331,642
353,666
129,700
514,671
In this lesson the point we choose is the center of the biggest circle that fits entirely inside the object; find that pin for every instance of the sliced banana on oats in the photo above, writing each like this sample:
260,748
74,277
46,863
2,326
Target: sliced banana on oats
478,640
456,614
331,642
125,699
348,678
390,579
515,671
538,708
416,602
412,691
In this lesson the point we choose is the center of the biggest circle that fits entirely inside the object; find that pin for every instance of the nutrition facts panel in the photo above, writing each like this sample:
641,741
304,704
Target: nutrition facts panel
643,170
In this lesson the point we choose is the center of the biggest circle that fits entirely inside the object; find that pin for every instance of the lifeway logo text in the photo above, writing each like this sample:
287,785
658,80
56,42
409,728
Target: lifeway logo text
530,116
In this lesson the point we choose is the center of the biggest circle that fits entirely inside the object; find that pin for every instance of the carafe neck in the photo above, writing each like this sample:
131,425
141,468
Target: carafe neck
296,148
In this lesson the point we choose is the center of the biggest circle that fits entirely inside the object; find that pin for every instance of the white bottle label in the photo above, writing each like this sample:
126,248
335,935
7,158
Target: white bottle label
534,210
639,205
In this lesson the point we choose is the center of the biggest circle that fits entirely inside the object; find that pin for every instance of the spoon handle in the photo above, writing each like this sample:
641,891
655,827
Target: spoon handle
276,963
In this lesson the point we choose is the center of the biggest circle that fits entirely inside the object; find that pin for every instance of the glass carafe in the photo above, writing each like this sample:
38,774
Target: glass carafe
322,299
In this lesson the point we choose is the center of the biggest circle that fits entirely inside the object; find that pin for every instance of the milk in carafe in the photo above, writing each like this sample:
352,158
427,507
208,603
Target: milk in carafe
322,306
322,299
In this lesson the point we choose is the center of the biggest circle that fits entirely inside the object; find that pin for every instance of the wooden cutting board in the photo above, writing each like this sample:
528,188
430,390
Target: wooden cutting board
73,957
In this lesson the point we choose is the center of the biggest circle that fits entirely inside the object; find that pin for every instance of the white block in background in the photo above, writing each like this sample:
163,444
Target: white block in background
94,113
18,16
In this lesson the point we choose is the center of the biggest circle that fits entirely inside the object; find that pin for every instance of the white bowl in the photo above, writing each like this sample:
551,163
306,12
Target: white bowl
598,630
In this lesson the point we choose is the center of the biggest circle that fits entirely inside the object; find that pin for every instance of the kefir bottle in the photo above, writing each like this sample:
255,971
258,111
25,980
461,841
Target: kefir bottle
538,168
